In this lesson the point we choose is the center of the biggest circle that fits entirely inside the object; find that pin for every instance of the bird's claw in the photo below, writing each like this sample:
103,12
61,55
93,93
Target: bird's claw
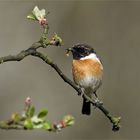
81,91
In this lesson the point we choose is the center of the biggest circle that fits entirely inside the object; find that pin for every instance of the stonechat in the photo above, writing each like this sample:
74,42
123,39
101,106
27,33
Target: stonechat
87,71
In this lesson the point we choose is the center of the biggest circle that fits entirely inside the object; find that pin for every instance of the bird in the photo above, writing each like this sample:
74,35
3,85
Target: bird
87,71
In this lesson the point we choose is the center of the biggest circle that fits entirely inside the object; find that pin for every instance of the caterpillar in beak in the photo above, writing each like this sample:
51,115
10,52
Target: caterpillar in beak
68,51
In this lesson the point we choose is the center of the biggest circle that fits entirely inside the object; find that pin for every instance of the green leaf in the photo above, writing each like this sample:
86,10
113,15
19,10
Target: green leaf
16,117
31,16
31,111
37,120
43,113
69,120
38,126
28,124
56,40
47,126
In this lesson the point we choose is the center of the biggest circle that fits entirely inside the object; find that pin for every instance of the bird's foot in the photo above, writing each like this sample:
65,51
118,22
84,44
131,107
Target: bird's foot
82,91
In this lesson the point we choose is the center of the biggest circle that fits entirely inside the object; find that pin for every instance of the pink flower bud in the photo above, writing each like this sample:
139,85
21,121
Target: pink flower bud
28,101
43,22
63,124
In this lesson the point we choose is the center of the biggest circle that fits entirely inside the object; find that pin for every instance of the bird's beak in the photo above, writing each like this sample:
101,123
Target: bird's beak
68,51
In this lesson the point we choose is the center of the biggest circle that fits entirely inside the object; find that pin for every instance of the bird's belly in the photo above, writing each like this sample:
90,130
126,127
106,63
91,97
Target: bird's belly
90,82
87,73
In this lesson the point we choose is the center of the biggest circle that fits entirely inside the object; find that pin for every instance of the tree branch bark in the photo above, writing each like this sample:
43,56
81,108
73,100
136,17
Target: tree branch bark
33,52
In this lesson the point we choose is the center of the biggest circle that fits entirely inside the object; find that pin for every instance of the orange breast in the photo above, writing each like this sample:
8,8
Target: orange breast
88,67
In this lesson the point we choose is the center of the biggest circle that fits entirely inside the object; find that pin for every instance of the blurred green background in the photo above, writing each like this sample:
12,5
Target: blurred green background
111,27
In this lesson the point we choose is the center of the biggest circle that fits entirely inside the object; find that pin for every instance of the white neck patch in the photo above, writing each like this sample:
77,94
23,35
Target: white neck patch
92,56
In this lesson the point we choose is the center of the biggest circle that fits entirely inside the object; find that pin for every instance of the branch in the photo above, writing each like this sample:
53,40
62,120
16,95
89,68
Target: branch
40,16
20,55
33,52
30,120
114,120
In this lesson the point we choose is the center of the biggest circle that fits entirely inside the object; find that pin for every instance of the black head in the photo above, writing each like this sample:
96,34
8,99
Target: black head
81,50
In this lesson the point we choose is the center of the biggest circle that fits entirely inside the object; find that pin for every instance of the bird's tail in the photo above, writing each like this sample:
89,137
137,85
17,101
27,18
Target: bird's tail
86,107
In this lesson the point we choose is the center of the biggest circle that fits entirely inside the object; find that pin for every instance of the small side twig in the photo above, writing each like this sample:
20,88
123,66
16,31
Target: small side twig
29,119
